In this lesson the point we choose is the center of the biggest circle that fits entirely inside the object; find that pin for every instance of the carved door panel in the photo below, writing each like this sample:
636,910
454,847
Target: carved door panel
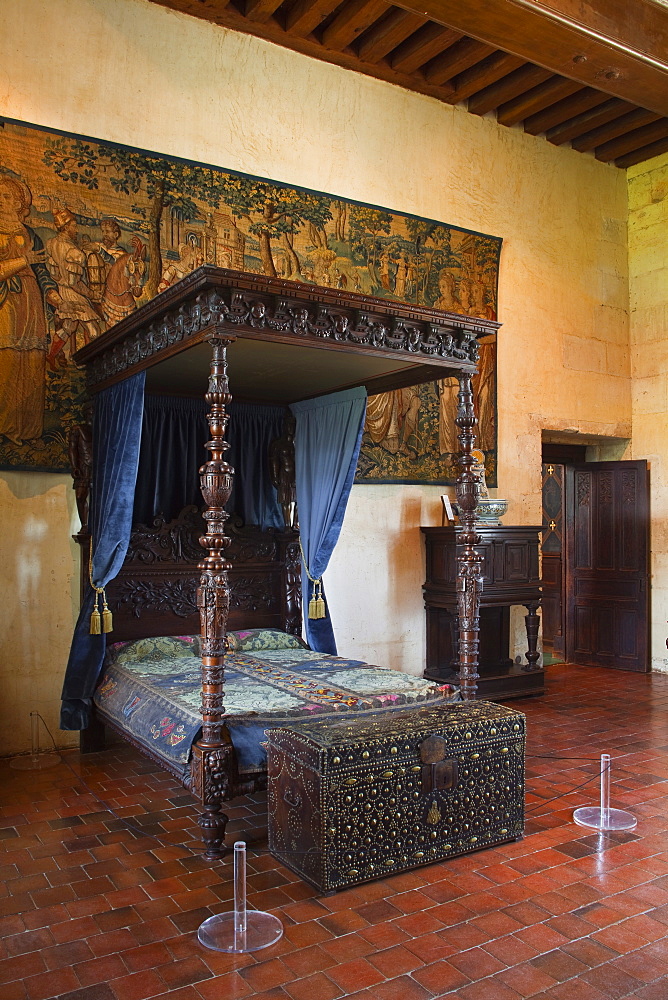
607,513
552,578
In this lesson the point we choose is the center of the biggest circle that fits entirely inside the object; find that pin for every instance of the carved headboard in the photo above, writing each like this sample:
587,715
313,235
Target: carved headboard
155,592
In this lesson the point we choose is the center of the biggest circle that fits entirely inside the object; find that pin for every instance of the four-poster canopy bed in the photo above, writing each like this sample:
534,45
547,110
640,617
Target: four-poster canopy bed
285,342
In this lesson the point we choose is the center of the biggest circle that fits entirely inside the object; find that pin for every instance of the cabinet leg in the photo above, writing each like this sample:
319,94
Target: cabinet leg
532,621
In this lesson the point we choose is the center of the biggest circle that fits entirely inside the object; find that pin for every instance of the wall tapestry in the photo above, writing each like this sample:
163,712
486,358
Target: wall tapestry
90,230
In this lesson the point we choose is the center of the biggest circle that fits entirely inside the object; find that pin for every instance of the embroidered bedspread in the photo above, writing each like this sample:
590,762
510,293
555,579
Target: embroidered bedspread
151,689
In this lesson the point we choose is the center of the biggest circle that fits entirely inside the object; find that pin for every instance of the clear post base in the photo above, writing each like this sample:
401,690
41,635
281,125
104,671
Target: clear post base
610,819
35,761
220,932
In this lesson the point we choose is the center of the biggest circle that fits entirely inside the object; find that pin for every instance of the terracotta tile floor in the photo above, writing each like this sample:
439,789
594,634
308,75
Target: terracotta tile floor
92,910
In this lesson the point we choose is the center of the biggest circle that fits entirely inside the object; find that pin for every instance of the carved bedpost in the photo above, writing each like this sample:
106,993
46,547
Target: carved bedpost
212,754
469,582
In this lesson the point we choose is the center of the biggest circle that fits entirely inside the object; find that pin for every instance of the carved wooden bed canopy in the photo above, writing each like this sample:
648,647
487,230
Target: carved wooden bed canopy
286,342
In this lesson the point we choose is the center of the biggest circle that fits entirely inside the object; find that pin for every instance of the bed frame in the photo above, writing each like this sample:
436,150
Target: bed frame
249,578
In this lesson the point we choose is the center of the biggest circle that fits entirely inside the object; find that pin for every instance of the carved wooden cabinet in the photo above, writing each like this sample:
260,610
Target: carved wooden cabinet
510,571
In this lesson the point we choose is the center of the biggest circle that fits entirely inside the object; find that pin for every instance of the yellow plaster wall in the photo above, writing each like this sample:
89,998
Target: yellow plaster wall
129,71
648,282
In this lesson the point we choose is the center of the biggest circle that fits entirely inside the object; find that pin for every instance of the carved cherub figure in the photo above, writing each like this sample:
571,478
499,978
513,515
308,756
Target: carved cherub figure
282,471
80,448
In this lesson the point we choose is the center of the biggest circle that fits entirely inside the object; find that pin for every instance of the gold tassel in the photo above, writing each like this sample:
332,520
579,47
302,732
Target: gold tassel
316,606
99,623
95,619
107,620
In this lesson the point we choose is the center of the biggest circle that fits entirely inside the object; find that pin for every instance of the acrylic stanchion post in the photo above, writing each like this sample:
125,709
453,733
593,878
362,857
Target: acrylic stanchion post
36,760
603,817
242,929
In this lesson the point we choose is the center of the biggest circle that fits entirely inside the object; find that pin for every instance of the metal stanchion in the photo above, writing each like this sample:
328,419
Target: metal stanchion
36,760
242,929
603,817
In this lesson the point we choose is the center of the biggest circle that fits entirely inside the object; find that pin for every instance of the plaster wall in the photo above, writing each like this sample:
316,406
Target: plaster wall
128,71
648,283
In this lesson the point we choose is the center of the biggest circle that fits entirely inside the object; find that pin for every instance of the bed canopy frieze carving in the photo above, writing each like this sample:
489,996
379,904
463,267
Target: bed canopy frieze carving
216,299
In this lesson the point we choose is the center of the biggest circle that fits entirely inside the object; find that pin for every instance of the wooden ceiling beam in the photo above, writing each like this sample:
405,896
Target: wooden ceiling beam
612,45
587,121
654,132
640,155
511,86
355,17
306,15
384,36
426,43
564,110
460,56
482,75
261,10
612,129
535,100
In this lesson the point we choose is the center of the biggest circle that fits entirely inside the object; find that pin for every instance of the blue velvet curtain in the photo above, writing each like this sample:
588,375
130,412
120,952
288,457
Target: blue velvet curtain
251,430
327,443
173,433
116,435
174,430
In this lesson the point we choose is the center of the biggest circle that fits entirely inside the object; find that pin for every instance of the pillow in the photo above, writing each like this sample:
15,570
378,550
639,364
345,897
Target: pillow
253,640
163,647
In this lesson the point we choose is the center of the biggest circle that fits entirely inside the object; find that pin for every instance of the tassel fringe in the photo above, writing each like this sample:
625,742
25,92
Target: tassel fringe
95,619
107,620
316,606
100,622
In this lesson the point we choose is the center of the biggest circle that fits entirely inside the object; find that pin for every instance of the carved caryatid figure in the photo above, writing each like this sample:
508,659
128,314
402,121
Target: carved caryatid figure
282,471
80,447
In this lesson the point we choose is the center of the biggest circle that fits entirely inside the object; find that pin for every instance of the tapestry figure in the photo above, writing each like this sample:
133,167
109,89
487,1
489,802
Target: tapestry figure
77,322
26,292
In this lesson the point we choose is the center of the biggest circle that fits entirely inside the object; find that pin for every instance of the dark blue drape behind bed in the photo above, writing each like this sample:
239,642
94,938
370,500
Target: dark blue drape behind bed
174,430
116,434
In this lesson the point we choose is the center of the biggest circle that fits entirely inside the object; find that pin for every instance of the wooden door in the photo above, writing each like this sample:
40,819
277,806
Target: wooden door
607,529
552,576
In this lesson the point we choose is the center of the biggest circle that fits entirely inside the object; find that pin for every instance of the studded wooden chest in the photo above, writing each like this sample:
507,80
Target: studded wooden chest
355,800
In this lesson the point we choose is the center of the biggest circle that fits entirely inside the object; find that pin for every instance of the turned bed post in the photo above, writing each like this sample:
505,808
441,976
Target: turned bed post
213,756
469,577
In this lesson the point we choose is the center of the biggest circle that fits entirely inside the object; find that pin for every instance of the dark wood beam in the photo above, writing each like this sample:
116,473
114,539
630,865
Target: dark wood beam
655,132
564,110
587,121
261,10
388,33
355,17
612,45
423,46
535,100
306,15
640,155
614,128
455,60
511,86
483,74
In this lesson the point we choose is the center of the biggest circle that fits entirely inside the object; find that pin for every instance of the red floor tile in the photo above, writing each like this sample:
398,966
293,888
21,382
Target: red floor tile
90,910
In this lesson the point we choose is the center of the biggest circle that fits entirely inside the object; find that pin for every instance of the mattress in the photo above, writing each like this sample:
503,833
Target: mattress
151,689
